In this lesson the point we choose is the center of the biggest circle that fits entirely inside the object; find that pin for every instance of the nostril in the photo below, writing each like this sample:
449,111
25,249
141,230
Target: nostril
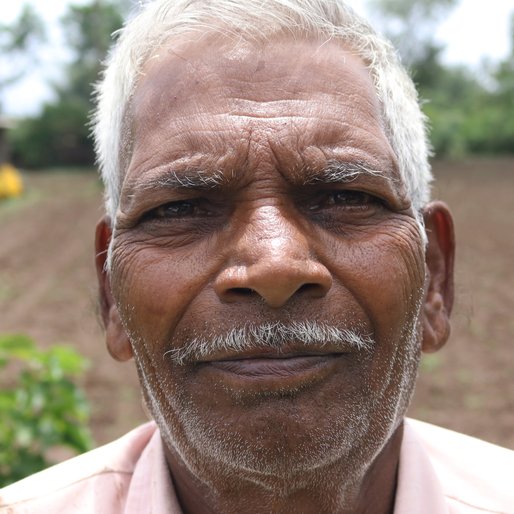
238,294
241,291
312,289
274,282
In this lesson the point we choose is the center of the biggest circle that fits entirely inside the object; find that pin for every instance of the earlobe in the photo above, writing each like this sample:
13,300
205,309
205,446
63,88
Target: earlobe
440,254
118,343
117,340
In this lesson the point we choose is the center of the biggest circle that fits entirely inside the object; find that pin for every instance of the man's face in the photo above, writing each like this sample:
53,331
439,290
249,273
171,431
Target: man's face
262,190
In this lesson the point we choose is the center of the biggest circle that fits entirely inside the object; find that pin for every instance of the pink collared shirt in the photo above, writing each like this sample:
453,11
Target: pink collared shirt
440,472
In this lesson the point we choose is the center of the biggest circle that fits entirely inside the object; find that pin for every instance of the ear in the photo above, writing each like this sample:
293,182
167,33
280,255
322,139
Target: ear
440,255
117,340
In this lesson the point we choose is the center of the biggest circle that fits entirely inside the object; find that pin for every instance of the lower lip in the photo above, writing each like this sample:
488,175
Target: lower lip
268,373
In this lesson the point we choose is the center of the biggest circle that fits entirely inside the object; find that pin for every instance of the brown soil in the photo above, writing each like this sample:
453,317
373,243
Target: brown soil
47,290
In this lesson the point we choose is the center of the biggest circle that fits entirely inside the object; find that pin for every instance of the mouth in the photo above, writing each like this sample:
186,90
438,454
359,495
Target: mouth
266,370
272,366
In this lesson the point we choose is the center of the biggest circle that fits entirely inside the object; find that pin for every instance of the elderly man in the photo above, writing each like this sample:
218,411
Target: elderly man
271,260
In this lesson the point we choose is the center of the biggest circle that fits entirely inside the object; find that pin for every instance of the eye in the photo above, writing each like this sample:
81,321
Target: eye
177,210
348,199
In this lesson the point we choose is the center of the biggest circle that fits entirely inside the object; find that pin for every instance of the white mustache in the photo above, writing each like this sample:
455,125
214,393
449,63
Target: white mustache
271,335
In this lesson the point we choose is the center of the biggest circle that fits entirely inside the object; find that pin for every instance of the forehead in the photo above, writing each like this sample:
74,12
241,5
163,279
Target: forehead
189,69
215,98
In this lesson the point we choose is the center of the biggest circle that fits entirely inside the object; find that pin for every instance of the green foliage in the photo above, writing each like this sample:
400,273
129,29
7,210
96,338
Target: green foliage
466,116
452,96
88,32
59,135
43,409
495,132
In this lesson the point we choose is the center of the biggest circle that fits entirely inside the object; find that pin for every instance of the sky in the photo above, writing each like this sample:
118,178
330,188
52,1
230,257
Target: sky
470,33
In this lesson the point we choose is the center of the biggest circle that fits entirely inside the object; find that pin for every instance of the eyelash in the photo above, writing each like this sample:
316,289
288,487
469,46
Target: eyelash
348,199
177,210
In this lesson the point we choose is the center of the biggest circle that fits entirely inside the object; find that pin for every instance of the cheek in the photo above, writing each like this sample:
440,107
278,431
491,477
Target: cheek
387,281
153,288
385,273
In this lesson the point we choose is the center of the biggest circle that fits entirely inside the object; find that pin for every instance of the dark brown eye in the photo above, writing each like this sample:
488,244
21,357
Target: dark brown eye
346,198
350,198
175,210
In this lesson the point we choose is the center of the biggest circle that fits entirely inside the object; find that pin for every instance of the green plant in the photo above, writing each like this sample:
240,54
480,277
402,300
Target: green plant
40,407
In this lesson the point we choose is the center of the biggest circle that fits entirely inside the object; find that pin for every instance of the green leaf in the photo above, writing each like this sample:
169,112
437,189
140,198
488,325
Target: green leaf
42,409
16,345
69,361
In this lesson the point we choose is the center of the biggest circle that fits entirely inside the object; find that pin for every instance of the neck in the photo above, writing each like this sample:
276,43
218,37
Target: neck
323,491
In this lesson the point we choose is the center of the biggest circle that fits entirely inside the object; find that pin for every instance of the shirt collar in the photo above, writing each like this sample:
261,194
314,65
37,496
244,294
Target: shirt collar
418,490
151,489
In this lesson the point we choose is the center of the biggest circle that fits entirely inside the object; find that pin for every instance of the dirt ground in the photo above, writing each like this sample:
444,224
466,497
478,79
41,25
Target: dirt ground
47,290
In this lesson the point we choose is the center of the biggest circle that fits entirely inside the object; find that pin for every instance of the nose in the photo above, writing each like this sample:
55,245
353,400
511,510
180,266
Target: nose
271,258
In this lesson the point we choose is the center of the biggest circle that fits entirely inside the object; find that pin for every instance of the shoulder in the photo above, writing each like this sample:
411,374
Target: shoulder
475,476
77,484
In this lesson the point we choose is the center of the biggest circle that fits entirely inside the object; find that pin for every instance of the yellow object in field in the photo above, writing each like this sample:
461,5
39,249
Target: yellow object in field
11,184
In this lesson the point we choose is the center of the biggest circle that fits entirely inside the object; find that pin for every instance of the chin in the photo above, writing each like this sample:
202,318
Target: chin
283,452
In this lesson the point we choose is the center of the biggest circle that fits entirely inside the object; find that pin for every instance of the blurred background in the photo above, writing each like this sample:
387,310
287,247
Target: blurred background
461,55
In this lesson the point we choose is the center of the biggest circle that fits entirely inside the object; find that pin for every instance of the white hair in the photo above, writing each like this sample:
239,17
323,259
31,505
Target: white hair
275,335
161,20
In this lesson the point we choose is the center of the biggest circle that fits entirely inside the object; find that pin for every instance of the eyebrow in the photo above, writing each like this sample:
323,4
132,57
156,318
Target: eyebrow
344,172
200,180
197,179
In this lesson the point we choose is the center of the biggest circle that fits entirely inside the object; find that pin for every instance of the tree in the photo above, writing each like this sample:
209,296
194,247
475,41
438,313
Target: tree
466,116
17,43
59,136
505,73
88,32
494,132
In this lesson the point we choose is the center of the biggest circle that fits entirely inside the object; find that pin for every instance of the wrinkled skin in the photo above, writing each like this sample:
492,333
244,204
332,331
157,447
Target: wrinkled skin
274,240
